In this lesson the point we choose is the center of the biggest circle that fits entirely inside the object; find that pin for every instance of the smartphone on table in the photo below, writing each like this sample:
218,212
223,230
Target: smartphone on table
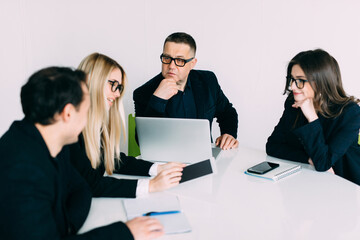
263,167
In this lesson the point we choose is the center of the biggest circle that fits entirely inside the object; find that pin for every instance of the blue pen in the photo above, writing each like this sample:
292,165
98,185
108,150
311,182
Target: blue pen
160,213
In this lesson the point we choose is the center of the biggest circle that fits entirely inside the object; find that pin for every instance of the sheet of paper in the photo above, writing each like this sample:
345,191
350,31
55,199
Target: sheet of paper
173,223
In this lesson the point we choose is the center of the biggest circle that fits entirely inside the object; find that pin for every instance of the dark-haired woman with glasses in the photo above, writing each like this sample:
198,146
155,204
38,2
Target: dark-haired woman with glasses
320,123
98,149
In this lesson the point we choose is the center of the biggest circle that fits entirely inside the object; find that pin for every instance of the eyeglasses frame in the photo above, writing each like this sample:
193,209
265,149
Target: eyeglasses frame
174,59
291,80
119,86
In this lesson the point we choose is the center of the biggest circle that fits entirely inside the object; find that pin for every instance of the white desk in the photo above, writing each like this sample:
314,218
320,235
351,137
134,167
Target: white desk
232,205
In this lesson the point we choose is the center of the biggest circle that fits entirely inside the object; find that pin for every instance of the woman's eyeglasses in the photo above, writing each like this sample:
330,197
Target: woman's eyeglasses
115,85
298,82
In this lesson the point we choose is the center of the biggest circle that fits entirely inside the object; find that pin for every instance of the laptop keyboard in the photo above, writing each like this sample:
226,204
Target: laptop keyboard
215,151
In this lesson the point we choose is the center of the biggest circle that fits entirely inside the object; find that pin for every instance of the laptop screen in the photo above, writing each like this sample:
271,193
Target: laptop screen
174,139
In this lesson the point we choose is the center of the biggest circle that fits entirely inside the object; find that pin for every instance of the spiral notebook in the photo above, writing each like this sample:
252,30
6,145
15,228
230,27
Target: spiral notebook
284,170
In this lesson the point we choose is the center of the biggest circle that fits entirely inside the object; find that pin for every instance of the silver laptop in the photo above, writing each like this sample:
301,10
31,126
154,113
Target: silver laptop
174,139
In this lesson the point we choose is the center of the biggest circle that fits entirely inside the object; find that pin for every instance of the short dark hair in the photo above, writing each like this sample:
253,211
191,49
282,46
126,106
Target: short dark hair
181,37
48,91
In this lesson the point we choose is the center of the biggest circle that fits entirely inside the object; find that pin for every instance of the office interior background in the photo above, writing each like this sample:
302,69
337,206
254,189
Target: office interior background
248,45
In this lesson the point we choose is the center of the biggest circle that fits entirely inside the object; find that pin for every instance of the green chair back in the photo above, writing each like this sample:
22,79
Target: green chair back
133,147
359,139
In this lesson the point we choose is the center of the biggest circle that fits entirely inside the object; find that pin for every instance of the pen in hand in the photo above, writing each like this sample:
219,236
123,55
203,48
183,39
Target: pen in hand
160,213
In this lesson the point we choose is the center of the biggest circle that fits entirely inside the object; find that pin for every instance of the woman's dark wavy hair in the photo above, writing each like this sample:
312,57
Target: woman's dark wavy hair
323,73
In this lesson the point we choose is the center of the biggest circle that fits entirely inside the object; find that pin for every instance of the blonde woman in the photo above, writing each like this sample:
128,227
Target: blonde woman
98,149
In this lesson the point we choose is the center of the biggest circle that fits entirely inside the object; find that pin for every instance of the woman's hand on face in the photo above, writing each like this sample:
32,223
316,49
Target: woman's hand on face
166,179
308,109
169,165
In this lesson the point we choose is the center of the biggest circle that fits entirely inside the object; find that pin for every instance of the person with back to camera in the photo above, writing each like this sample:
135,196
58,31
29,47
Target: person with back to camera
42,196
179,91
320,123
98,148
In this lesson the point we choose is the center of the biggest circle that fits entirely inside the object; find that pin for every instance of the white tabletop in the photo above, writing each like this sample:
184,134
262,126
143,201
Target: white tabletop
232,205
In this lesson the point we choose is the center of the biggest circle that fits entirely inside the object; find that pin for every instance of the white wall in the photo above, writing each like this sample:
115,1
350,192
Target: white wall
246,43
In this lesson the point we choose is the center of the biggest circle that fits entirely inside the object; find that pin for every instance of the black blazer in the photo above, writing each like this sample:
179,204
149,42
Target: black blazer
210,100
102,186
329,142
43,197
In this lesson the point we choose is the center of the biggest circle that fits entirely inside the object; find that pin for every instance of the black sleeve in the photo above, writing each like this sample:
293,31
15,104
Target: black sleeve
132,166
114,231
27,204
78,207
225,113
146,104
100,186
282,143
77,192
323,153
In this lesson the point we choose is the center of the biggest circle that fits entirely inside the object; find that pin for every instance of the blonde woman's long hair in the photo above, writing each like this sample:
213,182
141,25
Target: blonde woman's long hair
102,132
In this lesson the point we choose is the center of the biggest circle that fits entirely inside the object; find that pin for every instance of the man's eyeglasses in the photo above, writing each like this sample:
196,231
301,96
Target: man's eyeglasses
298,82
178,61
115,85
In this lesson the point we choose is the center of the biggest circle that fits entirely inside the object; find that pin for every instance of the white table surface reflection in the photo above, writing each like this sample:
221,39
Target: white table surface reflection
232,205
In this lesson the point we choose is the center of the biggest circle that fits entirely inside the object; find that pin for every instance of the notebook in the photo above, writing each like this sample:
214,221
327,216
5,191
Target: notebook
284,170
174,139
173,223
